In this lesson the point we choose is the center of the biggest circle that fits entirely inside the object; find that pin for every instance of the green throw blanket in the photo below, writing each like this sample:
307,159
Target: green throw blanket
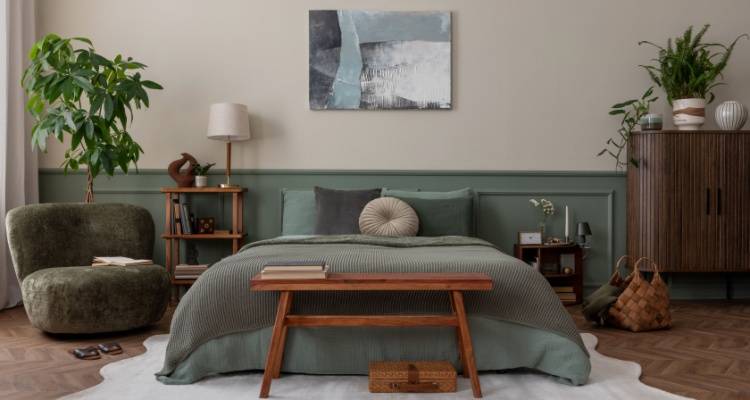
220,306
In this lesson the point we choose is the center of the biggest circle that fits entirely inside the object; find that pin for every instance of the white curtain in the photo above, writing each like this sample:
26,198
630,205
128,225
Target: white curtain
18,165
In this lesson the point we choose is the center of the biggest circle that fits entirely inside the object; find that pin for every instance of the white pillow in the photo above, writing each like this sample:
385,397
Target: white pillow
388,216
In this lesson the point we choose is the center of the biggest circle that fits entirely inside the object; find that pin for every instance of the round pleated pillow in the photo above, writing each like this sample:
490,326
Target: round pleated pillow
388,216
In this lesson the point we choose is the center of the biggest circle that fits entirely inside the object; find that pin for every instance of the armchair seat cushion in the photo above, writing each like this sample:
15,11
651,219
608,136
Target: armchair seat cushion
95,299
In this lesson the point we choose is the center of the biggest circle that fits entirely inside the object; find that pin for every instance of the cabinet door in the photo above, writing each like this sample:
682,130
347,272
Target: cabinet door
733,202
698,174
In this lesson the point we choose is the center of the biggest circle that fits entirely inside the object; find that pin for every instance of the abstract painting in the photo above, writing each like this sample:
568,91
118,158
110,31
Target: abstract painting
375,60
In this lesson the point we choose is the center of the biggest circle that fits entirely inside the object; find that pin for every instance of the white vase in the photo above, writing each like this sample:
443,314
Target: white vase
201,181
689,114
731,115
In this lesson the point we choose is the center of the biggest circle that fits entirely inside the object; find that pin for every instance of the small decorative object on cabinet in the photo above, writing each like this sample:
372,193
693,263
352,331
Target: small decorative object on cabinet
200,171
173,234
183,178
731,115
651,122
583,232
562,265
229,123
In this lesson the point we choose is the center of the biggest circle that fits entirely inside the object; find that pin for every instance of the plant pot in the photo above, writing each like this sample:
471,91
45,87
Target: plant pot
201,181
689,114
731,115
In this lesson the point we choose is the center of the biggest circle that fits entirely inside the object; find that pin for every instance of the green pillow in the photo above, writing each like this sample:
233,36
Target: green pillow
440,213
298,213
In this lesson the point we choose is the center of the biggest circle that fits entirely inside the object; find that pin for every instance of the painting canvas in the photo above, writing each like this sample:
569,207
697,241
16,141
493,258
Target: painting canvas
373,60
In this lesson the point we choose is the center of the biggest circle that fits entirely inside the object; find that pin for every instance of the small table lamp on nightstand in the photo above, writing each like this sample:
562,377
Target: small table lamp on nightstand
229,123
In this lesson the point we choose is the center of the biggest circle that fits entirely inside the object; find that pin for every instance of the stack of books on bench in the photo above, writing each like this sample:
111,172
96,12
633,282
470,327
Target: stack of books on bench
188,271
295,270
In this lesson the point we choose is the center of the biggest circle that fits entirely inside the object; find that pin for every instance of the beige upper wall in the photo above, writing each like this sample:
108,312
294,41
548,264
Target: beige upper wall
532,79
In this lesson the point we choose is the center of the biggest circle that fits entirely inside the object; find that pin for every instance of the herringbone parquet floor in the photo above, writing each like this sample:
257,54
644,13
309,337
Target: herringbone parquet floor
705,356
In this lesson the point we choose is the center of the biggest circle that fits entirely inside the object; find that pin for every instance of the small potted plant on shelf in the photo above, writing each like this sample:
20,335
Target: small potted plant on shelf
200,172
688,69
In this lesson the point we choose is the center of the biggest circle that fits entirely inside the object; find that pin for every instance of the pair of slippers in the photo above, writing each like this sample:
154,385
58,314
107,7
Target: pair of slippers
92,352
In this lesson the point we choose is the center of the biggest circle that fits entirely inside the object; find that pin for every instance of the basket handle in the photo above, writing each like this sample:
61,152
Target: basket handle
617,266
654,266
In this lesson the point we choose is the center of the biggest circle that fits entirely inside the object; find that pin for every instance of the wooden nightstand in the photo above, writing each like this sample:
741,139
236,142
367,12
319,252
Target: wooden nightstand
569,287
172,240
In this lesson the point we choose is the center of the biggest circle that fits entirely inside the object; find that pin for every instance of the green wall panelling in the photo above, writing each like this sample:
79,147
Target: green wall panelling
502,202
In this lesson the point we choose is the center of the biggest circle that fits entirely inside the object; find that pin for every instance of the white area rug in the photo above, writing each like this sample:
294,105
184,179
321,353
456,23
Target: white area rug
133,378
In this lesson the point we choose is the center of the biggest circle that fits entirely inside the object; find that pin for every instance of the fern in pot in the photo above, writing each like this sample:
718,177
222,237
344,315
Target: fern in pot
688,69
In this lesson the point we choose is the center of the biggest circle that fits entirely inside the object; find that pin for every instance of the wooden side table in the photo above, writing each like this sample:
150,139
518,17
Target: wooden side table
453,283
172,240
550,254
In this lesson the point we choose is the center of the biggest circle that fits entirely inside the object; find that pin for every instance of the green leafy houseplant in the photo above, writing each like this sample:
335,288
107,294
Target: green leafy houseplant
202,170
82,94
689,68
631,111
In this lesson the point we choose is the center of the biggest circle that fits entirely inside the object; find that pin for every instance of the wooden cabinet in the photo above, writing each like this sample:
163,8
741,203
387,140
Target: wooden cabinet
689,200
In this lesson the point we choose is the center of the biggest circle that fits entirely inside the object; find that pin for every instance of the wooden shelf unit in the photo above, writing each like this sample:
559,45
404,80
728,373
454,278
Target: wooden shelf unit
237,233
547,253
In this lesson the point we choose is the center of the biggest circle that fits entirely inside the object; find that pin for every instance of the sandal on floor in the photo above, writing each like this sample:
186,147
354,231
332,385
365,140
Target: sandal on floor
86,353
110,348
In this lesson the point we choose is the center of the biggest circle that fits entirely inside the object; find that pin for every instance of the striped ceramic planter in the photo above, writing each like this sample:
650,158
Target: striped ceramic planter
689,114
731,115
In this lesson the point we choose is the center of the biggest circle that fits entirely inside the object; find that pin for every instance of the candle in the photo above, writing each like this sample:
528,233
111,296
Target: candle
566,224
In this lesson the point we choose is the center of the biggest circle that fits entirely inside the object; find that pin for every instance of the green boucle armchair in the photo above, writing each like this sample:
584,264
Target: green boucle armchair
52,246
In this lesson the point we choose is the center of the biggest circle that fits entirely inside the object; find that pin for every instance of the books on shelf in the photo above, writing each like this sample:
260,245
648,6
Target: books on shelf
118,261
189,271
295,270
566,294
183,222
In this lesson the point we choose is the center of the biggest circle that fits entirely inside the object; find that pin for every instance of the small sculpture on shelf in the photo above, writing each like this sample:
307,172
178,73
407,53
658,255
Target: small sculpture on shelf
184,178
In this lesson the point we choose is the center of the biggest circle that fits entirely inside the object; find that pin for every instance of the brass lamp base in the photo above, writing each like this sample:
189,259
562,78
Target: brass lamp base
228,185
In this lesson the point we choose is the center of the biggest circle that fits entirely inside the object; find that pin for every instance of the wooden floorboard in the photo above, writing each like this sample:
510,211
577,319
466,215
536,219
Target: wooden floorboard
705,356
35,365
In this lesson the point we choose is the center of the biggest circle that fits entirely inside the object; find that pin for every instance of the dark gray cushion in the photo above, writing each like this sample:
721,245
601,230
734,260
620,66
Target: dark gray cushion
338,210
440,213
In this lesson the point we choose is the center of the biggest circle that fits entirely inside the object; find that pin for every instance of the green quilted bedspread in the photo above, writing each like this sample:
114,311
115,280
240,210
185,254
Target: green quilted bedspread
221,326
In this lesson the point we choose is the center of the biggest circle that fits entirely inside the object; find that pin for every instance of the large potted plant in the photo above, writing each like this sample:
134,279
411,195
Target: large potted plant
688,69
88,97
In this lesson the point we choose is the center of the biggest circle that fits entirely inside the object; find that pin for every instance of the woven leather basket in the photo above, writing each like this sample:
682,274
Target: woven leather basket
643,305
412,377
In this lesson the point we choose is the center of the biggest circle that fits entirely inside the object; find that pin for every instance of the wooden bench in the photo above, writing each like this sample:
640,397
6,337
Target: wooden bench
454,283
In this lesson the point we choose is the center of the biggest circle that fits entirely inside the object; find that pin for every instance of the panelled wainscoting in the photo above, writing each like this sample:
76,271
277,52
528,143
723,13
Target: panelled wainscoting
502,208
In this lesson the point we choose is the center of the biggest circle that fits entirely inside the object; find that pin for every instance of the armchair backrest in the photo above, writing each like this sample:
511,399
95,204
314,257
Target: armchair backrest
70,234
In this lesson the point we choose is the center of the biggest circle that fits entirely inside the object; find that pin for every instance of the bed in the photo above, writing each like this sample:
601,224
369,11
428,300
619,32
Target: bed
220,326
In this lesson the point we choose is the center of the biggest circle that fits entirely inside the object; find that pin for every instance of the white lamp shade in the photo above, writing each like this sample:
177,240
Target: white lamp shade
228,122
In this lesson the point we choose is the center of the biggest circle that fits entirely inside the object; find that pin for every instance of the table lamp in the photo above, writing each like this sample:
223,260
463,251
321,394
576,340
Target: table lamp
584,231
229,123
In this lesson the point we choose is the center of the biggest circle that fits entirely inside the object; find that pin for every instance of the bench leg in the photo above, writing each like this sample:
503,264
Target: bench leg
465,342
276,348
284,330
461,356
